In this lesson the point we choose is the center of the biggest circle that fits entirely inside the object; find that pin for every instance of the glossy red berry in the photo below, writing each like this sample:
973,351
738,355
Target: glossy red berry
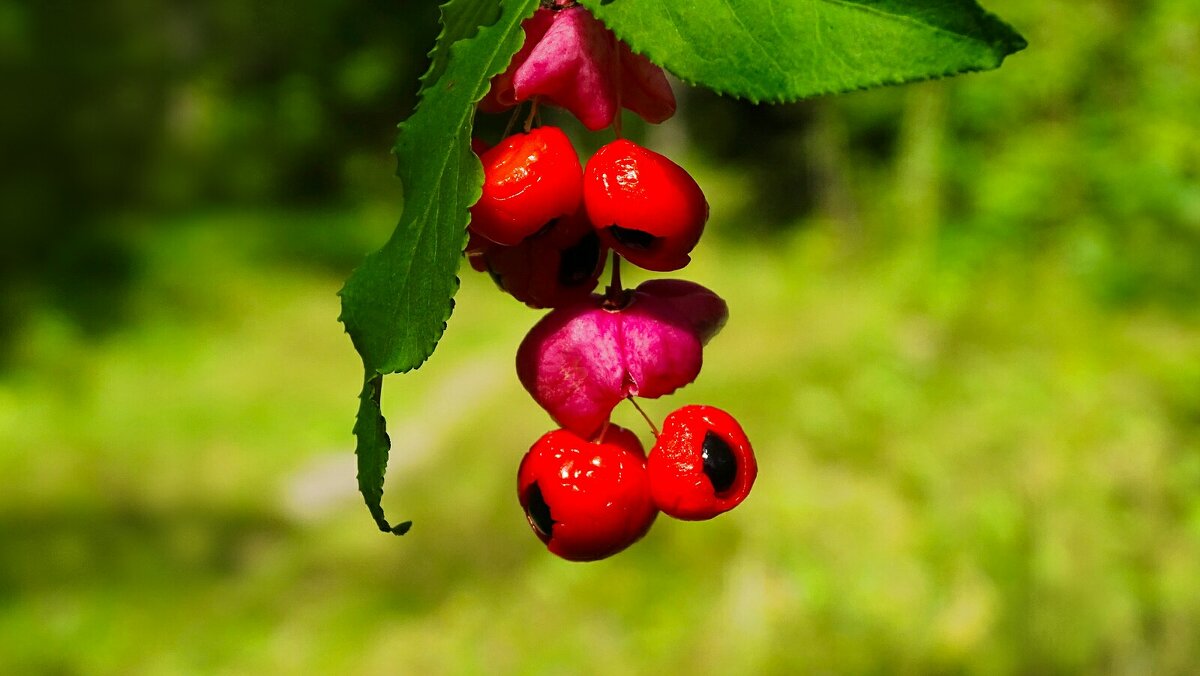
586,500
646,207
702,464
529,180
559,264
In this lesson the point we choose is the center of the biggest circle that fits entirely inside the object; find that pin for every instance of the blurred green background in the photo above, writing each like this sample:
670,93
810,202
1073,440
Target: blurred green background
964,338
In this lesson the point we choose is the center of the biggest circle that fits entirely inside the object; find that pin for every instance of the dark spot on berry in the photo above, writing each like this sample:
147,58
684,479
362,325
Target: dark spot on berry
719,462
634,239
496,278
539,512
578,262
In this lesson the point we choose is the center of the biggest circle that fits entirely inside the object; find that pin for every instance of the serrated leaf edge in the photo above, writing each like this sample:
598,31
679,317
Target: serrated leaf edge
370,410
1014,43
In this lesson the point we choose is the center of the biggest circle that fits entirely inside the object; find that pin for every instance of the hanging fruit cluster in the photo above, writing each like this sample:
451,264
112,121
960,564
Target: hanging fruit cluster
543,229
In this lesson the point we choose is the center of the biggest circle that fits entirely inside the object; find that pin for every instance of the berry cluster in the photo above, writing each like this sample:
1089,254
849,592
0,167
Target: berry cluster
543,229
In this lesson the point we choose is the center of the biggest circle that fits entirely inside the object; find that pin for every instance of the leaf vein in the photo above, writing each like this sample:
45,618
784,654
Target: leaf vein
901,18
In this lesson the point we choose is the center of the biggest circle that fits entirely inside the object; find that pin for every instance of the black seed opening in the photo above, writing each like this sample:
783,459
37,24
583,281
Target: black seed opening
579,261
634,239
539,511
719,462
496,278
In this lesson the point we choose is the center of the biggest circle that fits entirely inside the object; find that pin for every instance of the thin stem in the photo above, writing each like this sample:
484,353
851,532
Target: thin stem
616,77
645,417
512,120
614,285
533,114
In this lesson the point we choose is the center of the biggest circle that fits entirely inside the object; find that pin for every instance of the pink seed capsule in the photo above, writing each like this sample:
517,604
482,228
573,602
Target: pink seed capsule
581,360
572,60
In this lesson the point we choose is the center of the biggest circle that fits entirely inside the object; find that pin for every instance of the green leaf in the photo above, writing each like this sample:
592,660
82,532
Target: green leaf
784,50
396,304
373,444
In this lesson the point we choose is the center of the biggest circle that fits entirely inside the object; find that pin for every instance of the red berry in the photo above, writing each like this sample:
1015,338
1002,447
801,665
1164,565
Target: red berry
586,500
559,264
702,464
646,207
529,180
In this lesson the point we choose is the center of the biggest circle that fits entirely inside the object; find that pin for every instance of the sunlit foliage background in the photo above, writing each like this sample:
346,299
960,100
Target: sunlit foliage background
964,338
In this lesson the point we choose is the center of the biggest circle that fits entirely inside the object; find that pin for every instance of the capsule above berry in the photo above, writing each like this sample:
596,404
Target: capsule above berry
646,207
586,500
529,180
702,464
584,358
